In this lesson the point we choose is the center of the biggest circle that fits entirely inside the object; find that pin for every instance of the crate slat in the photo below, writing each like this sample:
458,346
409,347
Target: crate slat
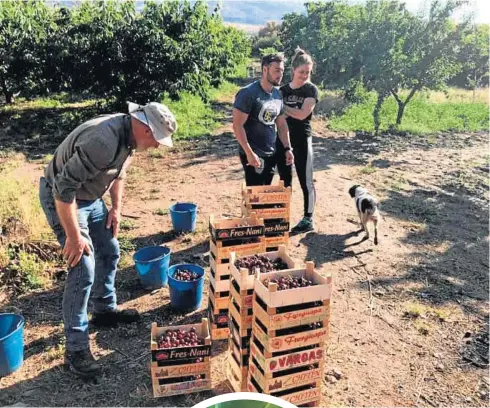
286,382
274,320
294,359
188,387
290,341
233,228
180,370
274,298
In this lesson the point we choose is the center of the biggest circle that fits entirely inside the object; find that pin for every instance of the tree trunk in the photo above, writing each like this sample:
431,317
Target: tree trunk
399,116
9,96
402,104
377,109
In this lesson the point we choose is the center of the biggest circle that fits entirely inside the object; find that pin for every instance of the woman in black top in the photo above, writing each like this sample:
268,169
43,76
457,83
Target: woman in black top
300,97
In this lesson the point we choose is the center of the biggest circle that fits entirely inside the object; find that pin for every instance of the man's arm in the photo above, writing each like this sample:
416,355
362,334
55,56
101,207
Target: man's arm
239,119
283,132
114,216
304,112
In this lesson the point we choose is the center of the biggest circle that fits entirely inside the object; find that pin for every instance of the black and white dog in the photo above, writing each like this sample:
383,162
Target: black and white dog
367,208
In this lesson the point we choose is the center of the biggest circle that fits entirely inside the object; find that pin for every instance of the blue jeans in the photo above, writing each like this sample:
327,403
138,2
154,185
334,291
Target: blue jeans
94,273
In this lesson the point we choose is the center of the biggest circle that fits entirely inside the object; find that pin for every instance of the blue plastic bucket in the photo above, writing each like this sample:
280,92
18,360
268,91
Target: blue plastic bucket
186,295
152,266
11,343
184,216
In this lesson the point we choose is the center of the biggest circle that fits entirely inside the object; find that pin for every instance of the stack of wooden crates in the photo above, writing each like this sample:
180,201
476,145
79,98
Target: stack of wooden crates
180,370
288,333
241,317
244,236
273,205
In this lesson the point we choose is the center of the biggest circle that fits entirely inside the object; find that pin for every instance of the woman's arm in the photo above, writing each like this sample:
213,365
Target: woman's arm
304,112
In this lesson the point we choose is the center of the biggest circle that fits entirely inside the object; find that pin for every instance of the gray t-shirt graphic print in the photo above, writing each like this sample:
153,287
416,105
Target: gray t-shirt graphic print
262,108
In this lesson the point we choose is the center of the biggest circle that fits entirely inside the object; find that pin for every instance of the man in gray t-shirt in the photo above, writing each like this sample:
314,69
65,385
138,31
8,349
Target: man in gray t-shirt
89,162
258,110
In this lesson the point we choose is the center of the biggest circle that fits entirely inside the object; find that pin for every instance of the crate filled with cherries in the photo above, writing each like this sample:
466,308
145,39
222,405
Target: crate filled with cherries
245,268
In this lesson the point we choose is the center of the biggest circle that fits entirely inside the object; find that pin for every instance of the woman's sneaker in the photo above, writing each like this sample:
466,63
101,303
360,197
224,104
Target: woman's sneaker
82,363
305,225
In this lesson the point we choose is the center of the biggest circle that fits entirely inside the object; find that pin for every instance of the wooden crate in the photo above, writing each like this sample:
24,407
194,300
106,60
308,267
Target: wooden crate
286,379
180,370
236,375
220,286
219,331
276,226
241,335
272,243
312,404
221,250
246,281
220,300
281,211
161,389
180,353
290,316
296,396
219,271
286,342
273,194
218,316
222,229
164,369
243,298
274,298
243,316
276,362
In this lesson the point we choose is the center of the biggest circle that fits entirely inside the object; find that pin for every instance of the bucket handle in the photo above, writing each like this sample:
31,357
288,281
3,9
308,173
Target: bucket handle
18,324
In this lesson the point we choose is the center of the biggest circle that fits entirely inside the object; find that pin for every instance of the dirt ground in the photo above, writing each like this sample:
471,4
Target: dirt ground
409,324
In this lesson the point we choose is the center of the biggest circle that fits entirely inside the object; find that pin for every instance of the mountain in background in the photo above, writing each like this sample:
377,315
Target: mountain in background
242,12
258,13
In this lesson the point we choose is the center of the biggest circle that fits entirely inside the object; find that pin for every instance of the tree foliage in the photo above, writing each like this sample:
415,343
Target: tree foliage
382,47
108,49
267,39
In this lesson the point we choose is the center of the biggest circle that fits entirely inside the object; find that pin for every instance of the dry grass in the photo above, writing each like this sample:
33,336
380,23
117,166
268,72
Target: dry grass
417,310
457,95
21,214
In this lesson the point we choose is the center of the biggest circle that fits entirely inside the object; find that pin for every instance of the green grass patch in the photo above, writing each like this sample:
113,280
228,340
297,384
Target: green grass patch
127,225
32,267
156,153
196,118
368,170
53,102
422,116
161,211
126,244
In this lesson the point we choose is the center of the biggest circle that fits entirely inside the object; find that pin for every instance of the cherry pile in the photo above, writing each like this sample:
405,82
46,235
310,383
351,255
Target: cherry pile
185,275
179,338
261,262
289,282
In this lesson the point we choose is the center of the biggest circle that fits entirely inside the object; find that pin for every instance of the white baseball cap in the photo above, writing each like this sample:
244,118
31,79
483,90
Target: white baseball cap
158,118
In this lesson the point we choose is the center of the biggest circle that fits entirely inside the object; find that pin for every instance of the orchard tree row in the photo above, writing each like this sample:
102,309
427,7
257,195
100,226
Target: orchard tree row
110,50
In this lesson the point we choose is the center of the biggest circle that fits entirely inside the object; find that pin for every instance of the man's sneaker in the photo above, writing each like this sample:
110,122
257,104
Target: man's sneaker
111,319
82,363
305,225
